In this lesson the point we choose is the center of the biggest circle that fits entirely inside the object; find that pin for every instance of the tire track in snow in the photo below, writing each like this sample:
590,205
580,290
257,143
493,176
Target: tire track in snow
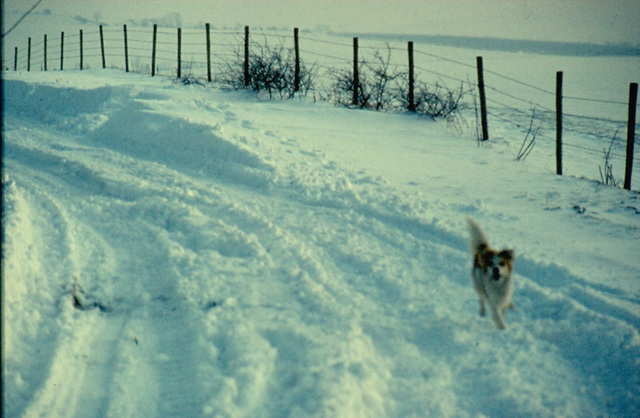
30,287
162,220
598,336
159,343
598,298
284,304
281,258
588,335
395,296
590,368
401,312
65,354
100,368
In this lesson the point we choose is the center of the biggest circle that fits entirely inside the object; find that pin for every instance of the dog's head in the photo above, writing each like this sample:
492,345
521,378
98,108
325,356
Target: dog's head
496,265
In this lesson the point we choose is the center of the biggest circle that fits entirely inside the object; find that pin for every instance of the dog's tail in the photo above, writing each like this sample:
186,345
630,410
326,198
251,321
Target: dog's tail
478,238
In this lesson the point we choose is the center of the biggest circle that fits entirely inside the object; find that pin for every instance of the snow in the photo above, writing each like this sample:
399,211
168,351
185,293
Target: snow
230,263
174,250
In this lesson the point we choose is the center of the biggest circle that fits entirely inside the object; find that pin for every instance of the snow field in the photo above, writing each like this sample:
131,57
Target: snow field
172,251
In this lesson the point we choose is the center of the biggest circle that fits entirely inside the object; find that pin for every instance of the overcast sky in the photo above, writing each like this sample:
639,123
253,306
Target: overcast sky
598,21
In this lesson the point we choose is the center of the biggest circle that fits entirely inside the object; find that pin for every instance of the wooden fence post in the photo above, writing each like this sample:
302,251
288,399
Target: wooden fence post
559,123
81,57
104,62
296,48
15,59
631,127
208,27
62,51
126,50
483,100
179,52
247,76
153,50
29,55
45,53
356,75
412,104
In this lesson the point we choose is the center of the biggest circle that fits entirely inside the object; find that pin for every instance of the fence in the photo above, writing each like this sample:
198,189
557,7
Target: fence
169,52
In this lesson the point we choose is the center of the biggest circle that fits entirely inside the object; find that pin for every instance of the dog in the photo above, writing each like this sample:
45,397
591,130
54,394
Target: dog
492,275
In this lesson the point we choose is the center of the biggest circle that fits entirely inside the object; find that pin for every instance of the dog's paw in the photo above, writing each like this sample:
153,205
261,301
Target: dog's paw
496,315
500,323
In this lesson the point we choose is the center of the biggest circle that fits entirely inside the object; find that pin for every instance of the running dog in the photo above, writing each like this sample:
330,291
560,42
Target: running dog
492,275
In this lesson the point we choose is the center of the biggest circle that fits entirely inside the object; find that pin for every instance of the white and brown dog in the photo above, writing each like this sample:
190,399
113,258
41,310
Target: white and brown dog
492,275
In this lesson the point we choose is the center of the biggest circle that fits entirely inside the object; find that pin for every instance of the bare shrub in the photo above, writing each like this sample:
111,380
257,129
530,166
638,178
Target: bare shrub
188,78
377,83
271,70
435,100
382,86
382,83
606,174
529,140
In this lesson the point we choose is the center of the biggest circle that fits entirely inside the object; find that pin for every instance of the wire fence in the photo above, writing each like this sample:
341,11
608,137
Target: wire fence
204,55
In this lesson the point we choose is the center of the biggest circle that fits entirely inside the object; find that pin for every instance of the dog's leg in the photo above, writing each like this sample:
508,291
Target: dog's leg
483,308
497,316
479,287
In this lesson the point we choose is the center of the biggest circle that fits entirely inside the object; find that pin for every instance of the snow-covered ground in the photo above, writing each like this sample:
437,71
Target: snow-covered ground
172,250
181,251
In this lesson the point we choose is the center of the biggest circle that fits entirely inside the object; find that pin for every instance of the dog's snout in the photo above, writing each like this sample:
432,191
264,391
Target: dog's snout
496,273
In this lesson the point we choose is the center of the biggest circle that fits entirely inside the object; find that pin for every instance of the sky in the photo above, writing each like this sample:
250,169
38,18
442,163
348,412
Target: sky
614,21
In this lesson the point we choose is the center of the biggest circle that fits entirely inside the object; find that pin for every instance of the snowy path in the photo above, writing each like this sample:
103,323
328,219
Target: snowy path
224,269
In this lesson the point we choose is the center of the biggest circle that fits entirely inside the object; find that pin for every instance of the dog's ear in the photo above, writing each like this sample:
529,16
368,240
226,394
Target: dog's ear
507,255
486,256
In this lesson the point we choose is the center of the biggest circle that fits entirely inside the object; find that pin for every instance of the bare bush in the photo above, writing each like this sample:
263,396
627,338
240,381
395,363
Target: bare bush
435,100
377,83
343,86
529,140
381,86
271,70
187,76
383,81
606,174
